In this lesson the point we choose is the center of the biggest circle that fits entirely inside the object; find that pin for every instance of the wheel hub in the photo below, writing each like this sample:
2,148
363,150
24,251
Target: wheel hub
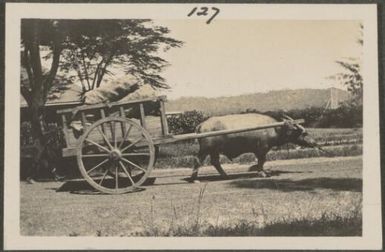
115,154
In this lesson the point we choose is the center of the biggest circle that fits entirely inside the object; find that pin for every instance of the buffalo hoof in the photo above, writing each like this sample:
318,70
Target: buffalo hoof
262,174
224,177
193,180
253,168
30,180
268,172
58,177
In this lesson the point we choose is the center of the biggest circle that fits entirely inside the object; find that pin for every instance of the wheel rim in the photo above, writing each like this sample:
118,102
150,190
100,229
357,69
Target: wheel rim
115,155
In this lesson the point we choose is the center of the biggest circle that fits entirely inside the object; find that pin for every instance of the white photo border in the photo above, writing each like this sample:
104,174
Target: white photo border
372,224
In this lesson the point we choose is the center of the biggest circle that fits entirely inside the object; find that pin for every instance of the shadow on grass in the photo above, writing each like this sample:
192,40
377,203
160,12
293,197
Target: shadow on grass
287,185
217,177
82,187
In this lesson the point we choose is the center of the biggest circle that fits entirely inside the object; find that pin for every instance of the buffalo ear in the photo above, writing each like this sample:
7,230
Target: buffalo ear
288,128
288,124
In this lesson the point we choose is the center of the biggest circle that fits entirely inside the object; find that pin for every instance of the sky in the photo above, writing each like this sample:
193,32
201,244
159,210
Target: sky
232,57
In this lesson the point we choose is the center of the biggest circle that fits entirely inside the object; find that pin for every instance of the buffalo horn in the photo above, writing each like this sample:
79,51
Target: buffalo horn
288,117
300,127
291,119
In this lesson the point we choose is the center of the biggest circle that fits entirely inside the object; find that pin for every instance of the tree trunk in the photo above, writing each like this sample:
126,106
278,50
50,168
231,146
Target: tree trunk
39,86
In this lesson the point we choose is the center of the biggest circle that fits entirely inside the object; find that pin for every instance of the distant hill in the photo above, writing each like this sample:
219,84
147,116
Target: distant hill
273,100
270,101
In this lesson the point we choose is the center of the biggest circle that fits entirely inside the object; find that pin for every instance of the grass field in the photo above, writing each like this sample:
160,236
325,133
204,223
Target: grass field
310,193
311,197
336,136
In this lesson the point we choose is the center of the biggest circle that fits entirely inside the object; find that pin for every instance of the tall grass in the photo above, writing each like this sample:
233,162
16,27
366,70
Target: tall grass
327,225
172,226
304,222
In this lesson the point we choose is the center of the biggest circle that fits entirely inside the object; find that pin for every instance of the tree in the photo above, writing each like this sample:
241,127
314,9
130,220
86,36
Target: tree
351,77
89,47
128,45
34,35
349,114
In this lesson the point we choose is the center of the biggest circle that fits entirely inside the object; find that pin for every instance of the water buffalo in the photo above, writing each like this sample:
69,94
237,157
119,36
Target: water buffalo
258,142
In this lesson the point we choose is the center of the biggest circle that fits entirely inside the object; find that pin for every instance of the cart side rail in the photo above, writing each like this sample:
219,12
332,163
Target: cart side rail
110,105
88,114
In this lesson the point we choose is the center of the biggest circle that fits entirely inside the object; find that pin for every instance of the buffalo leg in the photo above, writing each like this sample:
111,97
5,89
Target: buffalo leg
261,162
261,157
215,162
197,164
255,166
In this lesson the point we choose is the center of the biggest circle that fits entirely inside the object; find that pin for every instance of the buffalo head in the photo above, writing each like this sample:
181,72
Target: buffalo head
296,133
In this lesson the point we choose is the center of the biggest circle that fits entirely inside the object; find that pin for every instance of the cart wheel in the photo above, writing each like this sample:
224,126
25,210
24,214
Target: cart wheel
115,155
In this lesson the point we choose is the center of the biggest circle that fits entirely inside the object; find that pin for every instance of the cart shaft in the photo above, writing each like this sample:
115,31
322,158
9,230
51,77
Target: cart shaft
184,137
190,136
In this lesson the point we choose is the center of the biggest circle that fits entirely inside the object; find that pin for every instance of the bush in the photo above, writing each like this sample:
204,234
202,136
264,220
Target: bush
185,122
53,133
345,116
25,134
50,156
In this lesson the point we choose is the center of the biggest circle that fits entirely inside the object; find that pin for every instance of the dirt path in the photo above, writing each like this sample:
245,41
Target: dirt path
306,187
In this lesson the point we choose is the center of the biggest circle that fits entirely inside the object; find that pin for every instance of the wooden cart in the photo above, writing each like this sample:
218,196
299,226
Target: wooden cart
116,146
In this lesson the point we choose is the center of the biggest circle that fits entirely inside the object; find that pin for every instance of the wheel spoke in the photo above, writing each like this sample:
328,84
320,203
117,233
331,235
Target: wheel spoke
132,144
125,136
133,164
95,155
125,171
116,177
112,126
115,155
105,138
98,145
104,176
97,166
136,154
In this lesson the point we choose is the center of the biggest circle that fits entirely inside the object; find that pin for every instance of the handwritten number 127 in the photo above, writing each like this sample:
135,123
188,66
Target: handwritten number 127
204,11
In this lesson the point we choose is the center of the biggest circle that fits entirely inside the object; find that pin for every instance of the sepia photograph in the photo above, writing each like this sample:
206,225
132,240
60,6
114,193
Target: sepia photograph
205,123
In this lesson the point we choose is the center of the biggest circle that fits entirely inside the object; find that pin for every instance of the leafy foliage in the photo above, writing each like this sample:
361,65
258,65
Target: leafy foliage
37,35
345,116
186,122
351,78
90,48
131,45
